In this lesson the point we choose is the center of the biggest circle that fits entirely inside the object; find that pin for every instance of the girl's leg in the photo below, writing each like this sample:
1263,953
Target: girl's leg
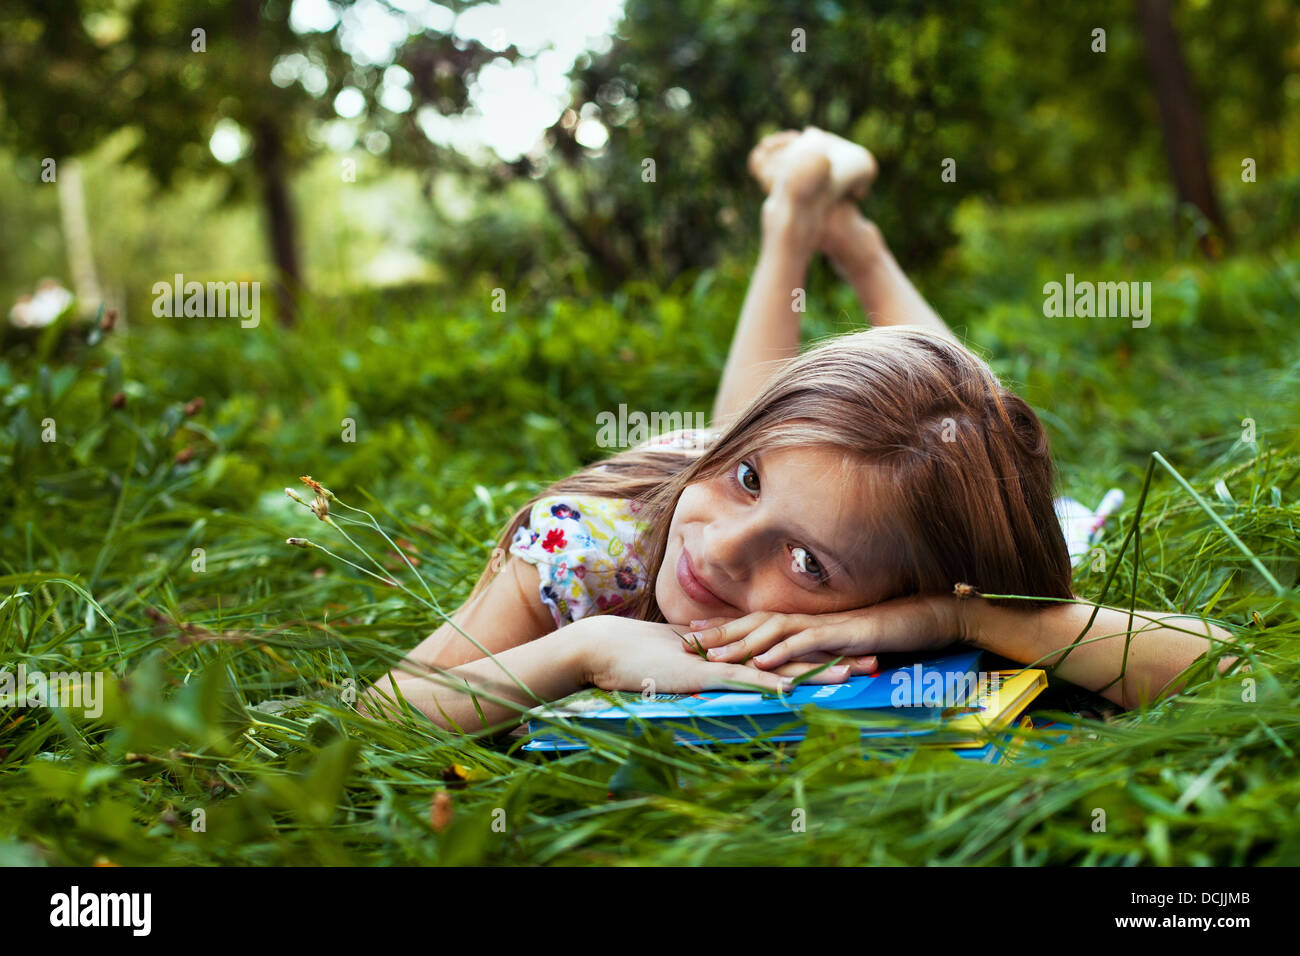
859,254
807,177
767,333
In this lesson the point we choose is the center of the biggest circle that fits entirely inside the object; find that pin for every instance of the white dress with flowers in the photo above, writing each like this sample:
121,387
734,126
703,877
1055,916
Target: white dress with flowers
589,550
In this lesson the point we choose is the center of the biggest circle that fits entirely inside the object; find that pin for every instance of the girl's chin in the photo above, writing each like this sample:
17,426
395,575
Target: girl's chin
675,606
672,612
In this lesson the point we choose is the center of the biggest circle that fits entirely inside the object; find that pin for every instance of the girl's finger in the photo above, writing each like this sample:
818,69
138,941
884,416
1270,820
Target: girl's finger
866,664
715,633
901,624
831,675
748,640
863,665
856,665
910,623
841,670
833,638
815,657
709,622
727,675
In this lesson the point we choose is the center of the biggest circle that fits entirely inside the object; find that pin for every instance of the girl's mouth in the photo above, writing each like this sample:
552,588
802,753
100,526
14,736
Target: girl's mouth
694,588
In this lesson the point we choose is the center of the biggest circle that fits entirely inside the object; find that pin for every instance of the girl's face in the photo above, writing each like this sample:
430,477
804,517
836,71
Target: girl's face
779,531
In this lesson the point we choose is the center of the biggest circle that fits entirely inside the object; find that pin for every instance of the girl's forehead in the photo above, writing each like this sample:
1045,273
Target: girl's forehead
827,473
837,498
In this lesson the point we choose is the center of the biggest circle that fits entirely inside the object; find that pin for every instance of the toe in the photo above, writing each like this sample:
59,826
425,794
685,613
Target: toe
770,144
778,139
763,157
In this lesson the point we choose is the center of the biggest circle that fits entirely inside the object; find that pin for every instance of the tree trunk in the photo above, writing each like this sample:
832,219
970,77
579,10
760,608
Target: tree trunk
1180,118
76,236
282,226
614,270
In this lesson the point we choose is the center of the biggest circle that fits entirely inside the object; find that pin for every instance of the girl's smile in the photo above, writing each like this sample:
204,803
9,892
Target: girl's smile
698,591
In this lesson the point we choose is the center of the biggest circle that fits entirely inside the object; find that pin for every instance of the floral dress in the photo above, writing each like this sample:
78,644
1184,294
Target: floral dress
588,553
589,550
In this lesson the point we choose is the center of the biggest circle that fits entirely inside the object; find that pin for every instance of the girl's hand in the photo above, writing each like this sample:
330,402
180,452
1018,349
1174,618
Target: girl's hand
841,670
770,640
618,653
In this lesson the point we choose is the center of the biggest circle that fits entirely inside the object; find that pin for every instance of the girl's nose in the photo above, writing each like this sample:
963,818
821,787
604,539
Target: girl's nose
730,547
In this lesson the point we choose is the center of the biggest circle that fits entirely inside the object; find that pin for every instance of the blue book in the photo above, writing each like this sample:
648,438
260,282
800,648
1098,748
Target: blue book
939,693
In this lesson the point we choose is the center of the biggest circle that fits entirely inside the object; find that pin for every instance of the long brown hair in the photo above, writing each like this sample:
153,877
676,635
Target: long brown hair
965,461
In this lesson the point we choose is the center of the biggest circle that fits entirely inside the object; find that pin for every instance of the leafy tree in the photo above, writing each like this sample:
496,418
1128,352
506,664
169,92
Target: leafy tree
1018,95
73,71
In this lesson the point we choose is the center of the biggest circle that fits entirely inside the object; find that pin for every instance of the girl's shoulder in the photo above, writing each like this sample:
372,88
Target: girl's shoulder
588,550
683,439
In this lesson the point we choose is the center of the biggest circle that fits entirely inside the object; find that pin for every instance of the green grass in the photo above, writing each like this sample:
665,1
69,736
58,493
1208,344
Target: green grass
460,413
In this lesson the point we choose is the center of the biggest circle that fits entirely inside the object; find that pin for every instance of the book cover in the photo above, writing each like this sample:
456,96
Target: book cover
944,695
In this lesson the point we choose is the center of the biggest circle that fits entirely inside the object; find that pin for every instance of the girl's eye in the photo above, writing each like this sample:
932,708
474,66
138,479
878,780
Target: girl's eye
747,477
804,563
801,562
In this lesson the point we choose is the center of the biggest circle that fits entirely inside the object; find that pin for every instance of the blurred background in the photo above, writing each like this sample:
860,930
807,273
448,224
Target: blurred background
340,146
464,261
382,167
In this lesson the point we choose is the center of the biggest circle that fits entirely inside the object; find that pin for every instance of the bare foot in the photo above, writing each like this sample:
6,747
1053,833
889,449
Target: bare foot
853,168
763,158
801,195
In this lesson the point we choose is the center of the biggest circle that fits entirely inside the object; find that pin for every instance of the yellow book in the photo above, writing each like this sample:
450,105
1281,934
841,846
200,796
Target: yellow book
995,705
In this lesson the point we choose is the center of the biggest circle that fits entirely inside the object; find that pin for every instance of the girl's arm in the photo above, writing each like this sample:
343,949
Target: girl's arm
1161,646
505,618
456,685
768,331
476,696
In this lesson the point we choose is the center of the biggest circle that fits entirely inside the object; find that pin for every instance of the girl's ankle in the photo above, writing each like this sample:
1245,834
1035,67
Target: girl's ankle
857,250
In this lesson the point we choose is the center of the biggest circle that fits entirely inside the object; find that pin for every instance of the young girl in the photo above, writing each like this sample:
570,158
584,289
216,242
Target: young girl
839,505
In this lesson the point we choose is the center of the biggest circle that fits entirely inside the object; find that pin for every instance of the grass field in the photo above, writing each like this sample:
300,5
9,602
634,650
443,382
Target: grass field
147,541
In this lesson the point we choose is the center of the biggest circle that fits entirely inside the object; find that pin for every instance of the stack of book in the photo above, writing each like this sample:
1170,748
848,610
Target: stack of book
944,701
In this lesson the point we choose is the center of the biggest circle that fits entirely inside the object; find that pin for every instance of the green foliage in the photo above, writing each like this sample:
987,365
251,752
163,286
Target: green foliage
174,71
228,678
1013,93
1137,228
